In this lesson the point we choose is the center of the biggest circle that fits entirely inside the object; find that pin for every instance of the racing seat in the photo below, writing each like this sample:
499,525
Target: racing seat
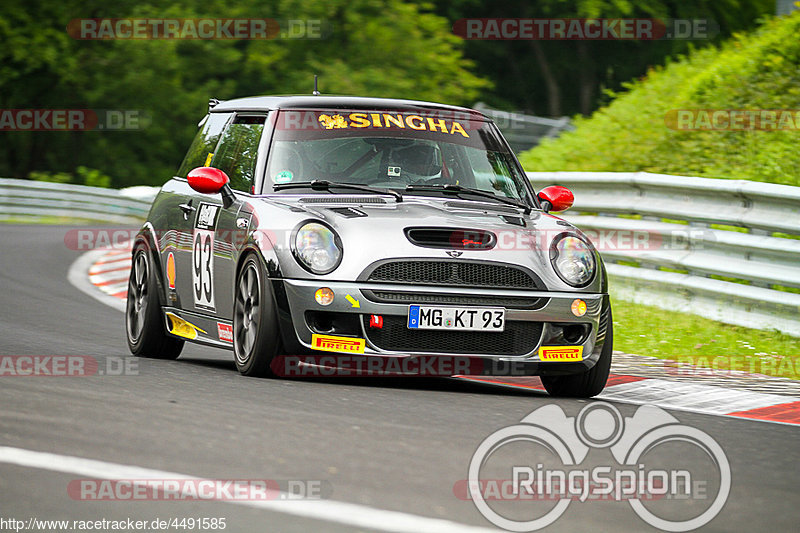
419,159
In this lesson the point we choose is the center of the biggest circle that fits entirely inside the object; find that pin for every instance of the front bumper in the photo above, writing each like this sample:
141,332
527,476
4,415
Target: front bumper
544,323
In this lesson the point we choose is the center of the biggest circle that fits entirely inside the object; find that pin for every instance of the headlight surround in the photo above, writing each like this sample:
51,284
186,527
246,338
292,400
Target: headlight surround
316,247
573,259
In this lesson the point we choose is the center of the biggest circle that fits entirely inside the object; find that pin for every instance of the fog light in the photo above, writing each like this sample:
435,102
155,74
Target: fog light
578,307
324,296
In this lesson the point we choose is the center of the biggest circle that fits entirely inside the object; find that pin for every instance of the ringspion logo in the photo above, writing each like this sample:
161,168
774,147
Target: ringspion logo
674,477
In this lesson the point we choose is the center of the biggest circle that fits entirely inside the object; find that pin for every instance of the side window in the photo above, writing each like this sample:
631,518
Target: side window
202,149
237,151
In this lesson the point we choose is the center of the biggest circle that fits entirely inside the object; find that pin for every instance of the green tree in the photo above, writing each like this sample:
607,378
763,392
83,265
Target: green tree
753,71
563,77
386,48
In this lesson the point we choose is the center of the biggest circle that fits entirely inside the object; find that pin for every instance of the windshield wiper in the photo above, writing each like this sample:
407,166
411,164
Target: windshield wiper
458,189
324,185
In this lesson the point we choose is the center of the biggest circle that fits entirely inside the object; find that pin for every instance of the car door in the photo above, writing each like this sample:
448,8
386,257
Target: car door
179,213
216,229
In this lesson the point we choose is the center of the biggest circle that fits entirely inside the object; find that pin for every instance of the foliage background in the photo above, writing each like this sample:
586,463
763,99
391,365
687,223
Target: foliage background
753,71
390,48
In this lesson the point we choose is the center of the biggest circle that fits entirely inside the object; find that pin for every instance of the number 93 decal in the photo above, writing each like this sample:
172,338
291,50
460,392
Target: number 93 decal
203,256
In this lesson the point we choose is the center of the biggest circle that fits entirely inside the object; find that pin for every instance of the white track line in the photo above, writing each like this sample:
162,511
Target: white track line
348,514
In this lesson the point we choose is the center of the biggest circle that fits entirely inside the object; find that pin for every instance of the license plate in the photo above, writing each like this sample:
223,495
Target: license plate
456,318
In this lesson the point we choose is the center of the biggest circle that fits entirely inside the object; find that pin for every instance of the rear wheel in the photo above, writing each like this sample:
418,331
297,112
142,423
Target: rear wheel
256,339
589,383
144,323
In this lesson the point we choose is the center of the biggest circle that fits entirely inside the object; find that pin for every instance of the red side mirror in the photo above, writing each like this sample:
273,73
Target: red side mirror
207,180
560,198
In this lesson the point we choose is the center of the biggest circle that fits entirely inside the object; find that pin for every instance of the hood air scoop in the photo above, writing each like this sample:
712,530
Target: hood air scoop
451,239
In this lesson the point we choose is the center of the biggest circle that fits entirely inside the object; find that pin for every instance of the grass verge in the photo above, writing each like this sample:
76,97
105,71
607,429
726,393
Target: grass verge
645,330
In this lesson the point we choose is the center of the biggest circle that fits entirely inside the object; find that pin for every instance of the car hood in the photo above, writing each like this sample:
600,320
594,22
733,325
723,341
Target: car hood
374,229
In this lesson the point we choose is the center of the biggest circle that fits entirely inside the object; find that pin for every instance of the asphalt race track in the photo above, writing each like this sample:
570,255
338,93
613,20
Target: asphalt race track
388,452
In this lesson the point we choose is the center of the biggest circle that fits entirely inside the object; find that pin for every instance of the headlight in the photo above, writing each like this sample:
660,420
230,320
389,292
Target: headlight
317,248
573,260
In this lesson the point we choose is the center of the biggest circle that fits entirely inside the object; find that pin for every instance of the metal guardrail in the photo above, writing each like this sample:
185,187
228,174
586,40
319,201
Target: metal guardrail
696,251
689,256
37,199
523,132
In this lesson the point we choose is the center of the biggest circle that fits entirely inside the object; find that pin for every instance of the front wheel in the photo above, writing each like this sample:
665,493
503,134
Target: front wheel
256,339
144,323
589,383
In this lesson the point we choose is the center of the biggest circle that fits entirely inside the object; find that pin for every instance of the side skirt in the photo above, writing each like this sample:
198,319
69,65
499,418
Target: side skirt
198,328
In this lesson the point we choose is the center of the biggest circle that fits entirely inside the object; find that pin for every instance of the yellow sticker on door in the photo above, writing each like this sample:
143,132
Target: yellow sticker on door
561,353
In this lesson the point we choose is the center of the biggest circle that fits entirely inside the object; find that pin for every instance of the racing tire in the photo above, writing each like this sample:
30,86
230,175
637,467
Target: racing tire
144,322
589,383
256,335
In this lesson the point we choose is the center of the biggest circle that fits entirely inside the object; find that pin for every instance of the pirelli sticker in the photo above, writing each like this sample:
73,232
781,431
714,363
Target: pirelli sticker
330,343
564,354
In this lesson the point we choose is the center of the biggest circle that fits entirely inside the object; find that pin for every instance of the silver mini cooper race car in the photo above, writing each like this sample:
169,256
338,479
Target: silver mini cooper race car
367,229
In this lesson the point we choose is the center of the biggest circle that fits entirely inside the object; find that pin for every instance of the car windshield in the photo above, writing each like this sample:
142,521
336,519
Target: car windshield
392,150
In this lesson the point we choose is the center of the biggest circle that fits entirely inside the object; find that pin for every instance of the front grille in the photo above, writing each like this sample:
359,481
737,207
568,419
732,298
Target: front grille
513,302
454,273
519,338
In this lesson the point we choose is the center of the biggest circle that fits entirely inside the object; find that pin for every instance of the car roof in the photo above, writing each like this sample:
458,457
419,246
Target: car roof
265,103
